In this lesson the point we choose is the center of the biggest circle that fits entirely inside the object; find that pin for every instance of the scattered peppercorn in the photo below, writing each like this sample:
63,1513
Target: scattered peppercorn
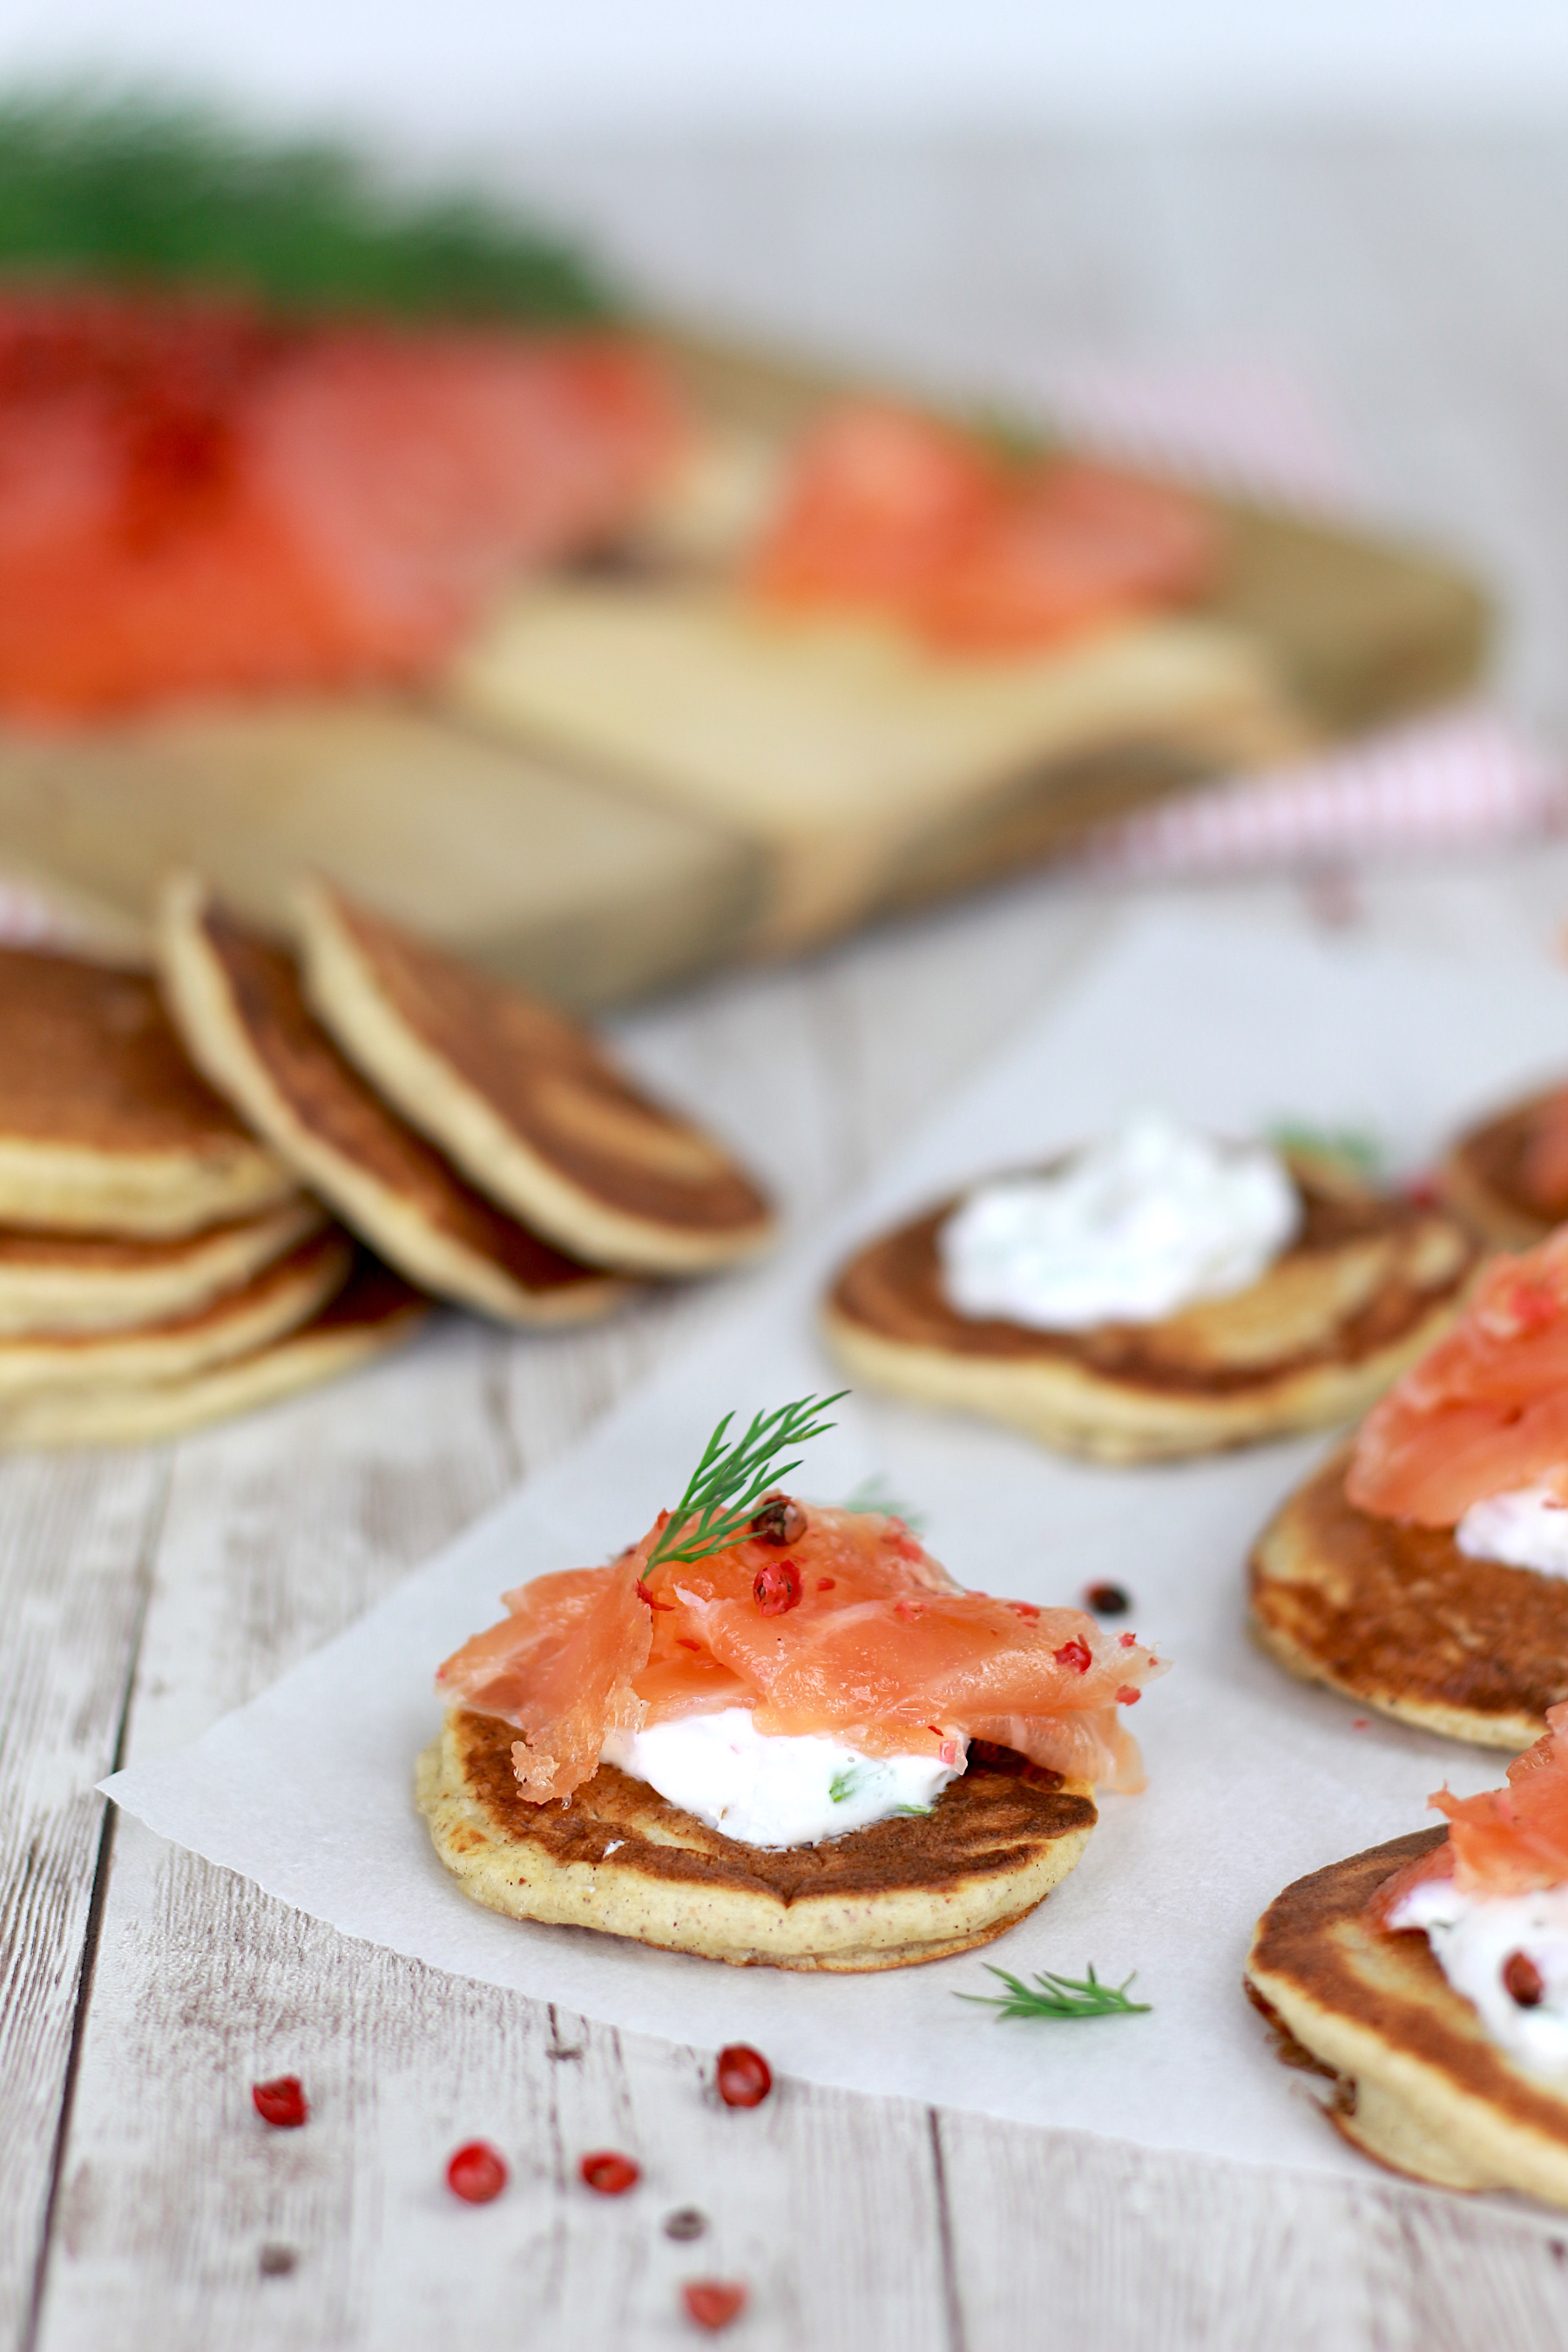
610,2174
1108,1599
476,2173
780,1521
1524,1979
713,2303
685,2222
776,1588
282,2101
743,2076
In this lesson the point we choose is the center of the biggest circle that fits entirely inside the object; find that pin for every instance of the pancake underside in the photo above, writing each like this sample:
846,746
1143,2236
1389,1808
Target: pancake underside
1315,1341
1401,1620
620,1858
1077,1411
1420,2085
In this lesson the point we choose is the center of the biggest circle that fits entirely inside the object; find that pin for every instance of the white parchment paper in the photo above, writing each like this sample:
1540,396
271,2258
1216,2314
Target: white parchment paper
1254,1779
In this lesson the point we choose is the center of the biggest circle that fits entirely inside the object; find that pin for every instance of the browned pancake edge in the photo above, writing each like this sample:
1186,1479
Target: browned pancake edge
618,1857
524,1100
1482,1179
1420,2085
240,1007
105,1126
1398,1618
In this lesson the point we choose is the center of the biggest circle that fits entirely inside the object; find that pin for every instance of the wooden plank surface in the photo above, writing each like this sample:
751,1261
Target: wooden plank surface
1417,282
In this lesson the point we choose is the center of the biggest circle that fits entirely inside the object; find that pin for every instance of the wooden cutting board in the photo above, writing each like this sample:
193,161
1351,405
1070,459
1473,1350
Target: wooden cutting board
628,778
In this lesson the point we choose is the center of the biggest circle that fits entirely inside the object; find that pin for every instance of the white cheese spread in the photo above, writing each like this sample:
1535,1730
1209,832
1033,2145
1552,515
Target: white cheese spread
1144,1221
777,1789
1474,1937
1527,1528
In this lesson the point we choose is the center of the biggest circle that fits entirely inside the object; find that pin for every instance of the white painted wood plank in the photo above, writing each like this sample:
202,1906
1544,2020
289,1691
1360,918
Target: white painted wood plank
187,2221
1134,2252
75,1560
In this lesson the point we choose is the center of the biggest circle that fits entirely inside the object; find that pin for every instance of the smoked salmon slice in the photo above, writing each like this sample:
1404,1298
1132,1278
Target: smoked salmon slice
1485,1410
197,498
856,1632
1509,1841
889,512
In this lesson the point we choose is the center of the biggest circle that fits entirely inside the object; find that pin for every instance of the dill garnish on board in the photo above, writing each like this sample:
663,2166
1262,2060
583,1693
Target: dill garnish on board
146,192
729,1481
1059,1997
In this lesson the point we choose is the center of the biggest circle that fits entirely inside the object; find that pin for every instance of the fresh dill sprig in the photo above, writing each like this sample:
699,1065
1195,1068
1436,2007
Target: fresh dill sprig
1352,1146
729,1481
132,186
1060,1997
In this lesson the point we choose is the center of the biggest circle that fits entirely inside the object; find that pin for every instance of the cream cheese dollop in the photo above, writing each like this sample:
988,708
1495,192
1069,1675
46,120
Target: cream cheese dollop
1474,1937
776,1788
1525,1527
1147,1220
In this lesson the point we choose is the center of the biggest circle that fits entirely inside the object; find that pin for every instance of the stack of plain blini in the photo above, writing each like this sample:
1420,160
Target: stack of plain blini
159,1266
255,1171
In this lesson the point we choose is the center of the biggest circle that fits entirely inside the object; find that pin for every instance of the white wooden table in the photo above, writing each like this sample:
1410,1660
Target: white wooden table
144,1594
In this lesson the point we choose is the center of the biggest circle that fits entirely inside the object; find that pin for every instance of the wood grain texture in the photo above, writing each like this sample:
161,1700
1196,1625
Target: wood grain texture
1414,280
75,1563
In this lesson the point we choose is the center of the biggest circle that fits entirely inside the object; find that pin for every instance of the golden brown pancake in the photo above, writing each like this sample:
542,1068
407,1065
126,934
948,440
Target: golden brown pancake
374,1312
105,1126
239,1008
524,1101
88,1282
619,1857
1421,2086
1398,1618
1484,1177
1364,1289
276,1300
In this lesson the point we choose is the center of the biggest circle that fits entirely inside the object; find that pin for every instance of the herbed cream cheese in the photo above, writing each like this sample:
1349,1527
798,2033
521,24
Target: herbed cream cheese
777,1789
1135,1226
1474,1938
1526,1528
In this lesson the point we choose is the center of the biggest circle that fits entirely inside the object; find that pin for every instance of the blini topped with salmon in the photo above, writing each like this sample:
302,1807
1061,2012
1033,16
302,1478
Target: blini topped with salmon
777,1732
1430,1978
1424,1570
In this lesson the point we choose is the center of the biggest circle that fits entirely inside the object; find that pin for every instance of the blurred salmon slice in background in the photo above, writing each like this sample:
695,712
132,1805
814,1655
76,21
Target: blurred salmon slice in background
196,498
887,511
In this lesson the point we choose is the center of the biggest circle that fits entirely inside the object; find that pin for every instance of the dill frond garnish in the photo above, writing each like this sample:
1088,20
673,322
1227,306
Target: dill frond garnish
729,1481
1059,1997
1352,1146
141,189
